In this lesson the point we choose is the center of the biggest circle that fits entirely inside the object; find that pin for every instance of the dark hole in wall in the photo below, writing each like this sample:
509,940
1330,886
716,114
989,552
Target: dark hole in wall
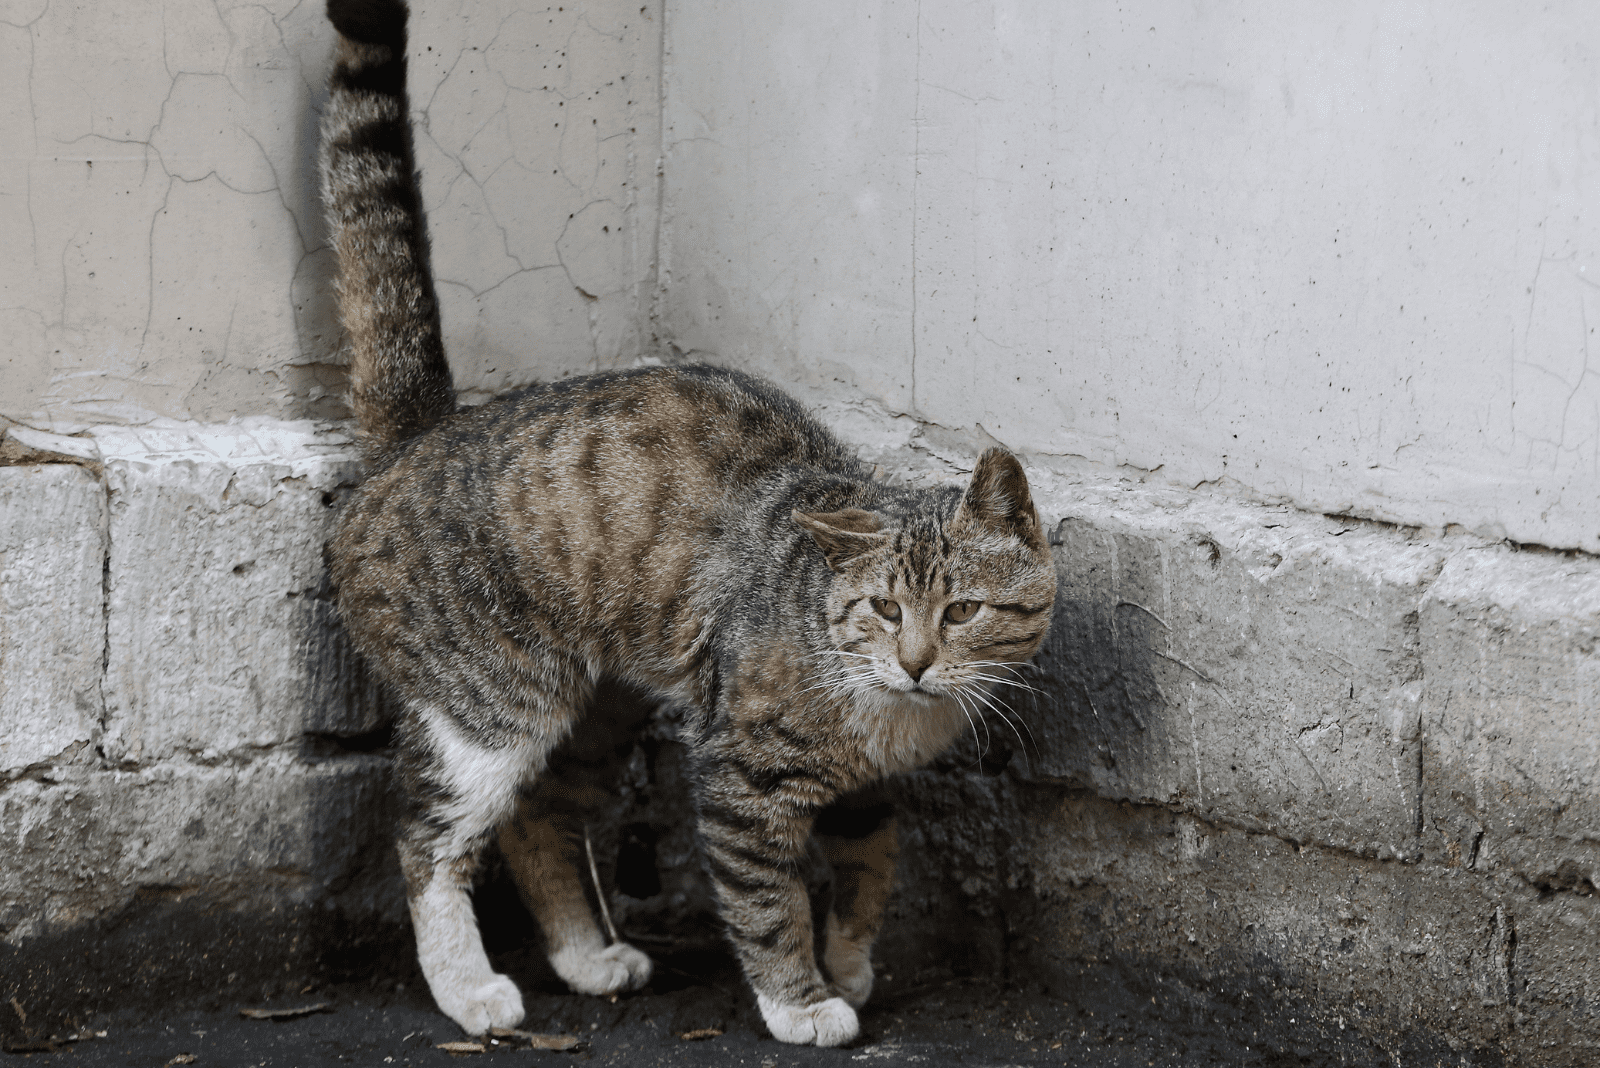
637,876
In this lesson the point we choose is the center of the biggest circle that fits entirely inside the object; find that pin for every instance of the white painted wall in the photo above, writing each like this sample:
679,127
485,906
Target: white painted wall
1344,254
1337,254
162,252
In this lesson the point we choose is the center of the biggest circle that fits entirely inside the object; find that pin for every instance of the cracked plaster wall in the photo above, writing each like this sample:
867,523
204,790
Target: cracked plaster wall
165,255
1338,255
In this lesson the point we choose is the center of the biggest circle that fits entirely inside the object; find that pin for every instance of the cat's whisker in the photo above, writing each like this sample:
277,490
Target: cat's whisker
1006,664
1010,714
970,722
1000,711
1014,683
975,718
840,686
838,679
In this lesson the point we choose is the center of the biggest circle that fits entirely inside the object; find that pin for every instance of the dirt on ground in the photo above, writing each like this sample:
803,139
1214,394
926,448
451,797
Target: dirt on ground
697,1011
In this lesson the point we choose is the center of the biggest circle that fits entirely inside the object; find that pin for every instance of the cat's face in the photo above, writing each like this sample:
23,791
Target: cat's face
941,608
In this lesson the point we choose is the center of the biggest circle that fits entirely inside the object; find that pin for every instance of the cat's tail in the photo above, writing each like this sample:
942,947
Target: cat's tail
399,380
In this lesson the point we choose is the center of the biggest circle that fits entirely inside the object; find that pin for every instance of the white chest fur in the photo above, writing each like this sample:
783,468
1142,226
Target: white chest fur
904,730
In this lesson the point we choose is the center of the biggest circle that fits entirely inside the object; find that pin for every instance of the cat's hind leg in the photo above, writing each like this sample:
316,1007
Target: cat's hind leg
857,835
544,846
461,786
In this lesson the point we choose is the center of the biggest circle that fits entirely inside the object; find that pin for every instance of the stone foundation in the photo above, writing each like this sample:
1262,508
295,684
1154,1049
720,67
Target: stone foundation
1350,771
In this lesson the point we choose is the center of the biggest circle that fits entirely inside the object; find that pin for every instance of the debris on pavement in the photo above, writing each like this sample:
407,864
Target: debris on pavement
538,1041
461,1048
701,1032
285,1014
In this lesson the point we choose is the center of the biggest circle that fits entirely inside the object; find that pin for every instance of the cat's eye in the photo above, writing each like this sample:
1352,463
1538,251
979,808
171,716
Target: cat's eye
961,611
886,608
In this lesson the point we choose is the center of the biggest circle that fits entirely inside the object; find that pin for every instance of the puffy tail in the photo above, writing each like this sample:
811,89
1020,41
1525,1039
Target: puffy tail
399,379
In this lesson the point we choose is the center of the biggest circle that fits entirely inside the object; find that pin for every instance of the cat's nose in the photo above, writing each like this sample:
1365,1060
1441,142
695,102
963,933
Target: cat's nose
916,667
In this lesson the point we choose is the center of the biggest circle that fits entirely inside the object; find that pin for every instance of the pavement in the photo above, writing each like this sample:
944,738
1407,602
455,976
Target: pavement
698,1012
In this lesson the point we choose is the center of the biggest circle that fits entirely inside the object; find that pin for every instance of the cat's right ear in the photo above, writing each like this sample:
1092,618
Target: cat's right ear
843,535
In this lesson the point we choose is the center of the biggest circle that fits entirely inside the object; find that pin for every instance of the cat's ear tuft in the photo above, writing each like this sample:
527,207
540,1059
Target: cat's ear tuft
998,499
843,535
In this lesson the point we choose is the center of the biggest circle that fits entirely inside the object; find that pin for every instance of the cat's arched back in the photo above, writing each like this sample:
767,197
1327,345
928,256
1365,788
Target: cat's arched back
690,530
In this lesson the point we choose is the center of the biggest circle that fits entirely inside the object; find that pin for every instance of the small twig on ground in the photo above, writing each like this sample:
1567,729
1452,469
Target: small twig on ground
285,1014
701,1032
538,1041
599,891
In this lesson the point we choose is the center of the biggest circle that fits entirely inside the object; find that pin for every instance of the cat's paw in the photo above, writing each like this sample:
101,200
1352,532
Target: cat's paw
854,987
849,968
827,1023
609,971
495,1003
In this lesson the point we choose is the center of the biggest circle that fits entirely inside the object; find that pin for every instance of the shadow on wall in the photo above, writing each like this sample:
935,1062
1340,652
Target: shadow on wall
313,893
1100,715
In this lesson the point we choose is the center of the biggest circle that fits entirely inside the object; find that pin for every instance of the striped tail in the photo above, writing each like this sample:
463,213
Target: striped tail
399,379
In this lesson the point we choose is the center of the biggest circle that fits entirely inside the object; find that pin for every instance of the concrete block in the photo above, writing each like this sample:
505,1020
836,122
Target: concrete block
1253,667
52,618
271,831
222,632
1243,661
1511,692
1483,960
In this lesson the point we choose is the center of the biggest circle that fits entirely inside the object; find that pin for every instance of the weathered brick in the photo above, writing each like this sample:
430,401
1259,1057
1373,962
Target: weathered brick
222,633
273,830
1512,696
1263,675
52,618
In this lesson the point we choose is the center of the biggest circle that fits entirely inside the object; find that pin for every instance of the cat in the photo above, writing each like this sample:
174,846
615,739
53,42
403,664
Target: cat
687,530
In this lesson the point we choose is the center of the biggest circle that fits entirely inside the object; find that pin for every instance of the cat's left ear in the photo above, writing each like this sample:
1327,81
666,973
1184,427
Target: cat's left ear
843,535
998,499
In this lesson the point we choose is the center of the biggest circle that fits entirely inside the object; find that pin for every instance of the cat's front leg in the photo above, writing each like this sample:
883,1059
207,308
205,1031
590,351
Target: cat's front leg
857,835
753,843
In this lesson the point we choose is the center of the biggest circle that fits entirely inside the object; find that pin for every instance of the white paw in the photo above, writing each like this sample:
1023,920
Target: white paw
495,1003
827,1023
616,968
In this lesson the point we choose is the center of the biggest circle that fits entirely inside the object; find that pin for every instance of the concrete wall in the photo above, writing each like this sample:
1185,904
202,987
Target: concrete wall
165,254
183,729
1338,255
1348,769
193,787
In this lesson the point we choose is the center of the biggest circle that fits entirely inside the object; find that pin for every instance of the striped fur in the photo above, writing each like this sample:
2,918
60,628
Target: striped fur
687,530
399,380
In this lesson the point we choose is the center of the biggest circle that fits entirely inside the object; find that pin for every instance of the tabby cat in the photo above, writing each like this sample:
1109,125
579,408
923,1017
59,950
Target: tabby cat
688,530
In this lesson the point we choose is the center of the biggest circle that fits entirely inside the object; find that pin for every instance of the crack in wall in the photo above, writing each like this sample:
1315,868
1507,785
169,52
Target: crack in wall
206,112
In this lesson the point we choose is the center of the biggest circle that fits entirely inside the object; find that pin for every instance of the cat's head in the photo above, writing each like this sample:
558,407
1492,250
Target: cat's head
944,601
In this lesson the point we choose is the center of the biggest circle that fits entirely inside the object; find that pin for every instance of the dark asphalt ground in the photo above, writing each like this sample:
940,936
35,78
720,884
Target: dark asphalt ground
1107,1019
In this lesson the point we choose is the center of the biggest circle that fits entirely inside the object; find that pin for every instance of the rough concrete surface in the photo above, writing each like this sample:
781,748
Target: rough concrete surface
166,254
1098,1017
1302,766
52,623
221,631
185,734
